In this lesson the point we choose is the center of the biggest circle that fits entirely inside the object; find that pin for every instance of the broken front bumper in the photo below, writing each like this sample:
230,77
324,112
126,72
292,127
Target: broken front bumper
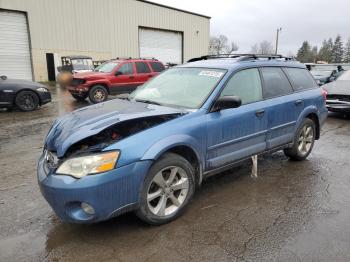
336,105
109,194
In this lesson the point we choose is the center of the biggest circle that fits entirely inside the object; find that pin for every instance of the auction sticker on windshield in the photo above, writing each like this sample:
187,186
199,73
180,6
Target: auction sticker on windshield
211,73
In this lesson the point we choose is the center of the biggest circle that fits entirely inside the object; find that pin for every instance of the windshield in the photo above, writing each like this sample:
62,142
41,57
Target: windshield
82,64
106,67
345,76
180,87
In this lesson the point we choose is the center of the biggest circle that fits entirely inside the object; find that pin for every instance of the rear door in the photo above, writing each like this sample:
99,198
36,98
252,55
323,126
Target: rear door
143,72
123,80
237,133
284,106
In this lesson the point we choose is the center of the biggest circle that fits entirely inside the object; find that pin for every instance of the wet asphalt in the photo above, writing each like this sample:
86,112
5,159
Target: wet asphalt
294,211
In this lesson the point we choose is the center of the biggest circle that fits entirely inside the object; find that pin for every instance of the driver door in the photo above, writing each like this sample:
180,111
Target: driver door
237,133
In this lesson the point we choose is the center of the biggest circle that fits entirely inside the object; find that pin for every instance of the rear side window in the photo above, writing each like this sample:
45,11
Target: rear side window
157,67
142,67
246,84
126,69
275,82
300,78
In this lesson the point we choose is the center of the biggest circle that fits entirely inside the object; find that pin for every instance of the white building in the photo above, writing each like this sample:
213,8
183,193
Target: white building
31,31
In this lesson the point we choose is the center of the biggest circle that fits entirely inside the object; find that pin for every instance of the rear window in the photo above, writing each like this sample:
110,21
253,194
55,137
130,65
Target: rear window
300,78
157,67
142,67
275,82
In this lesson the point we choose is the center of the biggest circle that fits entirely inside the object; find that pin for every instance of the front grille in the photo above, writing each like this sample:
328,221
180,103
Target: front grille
339,97
77,81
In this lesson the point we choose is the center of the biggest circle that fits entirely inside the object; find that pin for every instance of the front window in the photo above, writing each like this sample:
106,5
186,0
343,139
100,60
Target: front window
245,84
106,67
180,87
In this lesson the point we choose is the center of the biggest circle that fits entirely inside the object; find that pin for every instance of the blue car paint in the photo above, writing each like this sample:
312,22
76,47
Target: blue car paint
217,139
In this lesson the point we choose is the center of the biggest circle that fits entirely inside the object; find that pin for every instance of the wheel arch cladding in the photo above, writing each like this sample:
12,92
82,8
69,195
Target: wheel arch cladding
183,145
314,117
311,113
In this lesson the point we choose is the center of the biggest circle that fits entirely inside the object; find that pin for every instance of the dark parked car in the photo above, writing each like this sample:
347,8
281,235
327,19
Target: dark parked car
113,77
338,98
150,152
25,95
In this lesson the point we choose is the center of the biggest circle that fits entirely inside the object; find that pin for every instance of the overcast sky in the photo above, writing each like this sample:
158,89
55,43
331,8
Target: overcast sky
247,22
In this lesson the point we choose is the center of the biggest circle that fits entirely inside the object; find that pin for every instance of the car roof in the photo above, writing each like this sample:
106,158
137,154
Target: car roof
119,60
230,63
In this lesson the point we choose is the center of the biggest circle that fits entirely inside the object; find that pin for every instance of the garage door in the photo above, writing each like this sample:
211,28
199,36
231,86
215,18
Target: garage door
14,46
166,46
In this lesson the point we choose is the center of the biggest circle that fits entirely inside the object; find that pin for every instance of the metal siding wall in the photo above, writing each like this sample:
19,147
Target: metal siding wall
102,29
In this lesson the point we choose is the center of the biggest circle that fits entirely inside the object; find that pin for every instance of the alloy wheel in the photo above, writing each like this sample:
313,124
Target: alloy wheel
306,139
167,191
99,95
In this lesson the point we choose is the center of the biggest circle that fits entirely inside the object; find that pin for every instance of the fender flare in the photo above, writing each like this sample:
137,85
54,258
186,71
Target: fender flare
160,147
307,111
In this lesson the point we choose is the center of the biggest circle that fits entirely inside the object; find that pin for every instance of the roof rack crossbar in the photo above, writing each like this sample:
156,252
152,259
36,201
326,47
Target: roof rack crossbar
130,58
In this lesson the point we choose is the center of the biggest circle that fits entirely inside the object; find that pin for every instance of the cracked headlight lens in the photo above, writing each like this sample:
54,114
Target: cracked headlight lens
88,165
42,89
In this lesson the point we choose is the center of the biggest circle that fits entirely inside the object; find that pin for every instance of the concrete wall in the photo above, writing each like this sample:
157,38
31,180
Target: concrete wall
102,29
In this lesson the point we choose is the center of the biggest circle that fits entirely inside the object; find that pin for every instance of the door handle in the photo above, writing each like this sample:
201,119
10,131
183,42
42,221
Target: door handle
149,75
131,77
260,113
298,102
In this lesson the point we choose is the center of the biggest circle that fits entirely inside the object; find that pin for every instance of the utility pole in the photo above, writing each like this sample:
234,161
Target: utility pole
277,36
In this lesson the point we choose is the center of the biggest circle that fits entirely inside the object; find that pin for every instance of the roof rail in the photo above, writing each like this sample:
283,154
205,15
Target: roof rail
241,57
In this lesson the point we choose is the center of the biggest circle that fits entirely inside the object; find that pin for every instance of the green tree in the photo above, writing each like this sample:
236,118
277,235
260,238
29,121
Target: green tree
325,52
347,52
305,54
337,50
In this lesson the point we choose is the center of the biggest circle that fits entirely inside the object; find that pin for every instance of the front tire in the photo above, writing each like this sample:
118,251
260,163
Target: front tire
168,188
27,100
303,142
98,94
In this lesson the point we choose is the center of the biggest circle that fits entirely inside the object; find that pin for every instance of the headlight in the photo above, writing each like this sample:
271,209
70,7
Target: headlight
42,89
88,165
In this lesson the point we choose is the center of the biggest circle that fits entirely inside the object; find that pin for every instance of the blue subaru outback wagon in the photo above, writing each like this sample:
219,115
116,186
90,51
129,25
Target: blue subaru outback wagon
149,152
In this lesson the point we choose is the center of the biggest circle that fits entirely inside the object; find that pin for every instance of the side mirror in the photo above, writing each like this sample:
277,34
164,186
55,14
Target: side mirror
226,102
118,73
3,77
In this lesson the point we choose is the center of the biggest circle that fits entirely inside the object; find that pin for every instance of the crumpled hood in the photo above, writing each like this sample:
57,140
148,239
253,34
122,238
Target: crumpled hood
91,120
339,87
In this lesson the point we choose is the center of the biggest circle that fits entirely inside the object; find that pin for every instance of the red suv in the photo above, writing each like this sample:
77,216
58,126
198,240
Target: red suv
113,77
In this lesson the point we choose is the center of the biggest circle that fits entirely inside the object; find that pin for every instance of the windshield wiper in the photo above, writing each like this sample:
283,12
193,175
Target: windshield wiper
148,102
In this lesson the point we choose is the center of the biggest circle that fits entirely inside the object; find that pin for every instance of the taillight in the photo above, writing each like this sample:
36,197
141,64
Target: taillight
324,93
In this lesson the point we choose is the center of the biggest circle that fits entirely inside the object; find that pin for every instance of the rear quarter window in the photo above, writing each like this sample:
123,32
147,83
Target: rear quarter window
300,78
157,67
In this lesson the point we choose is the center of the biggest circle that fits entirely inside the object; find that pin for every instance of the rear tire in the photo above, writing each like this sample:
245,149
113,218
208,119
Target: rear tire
98,94
303,142
27,100
168,188
79,98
